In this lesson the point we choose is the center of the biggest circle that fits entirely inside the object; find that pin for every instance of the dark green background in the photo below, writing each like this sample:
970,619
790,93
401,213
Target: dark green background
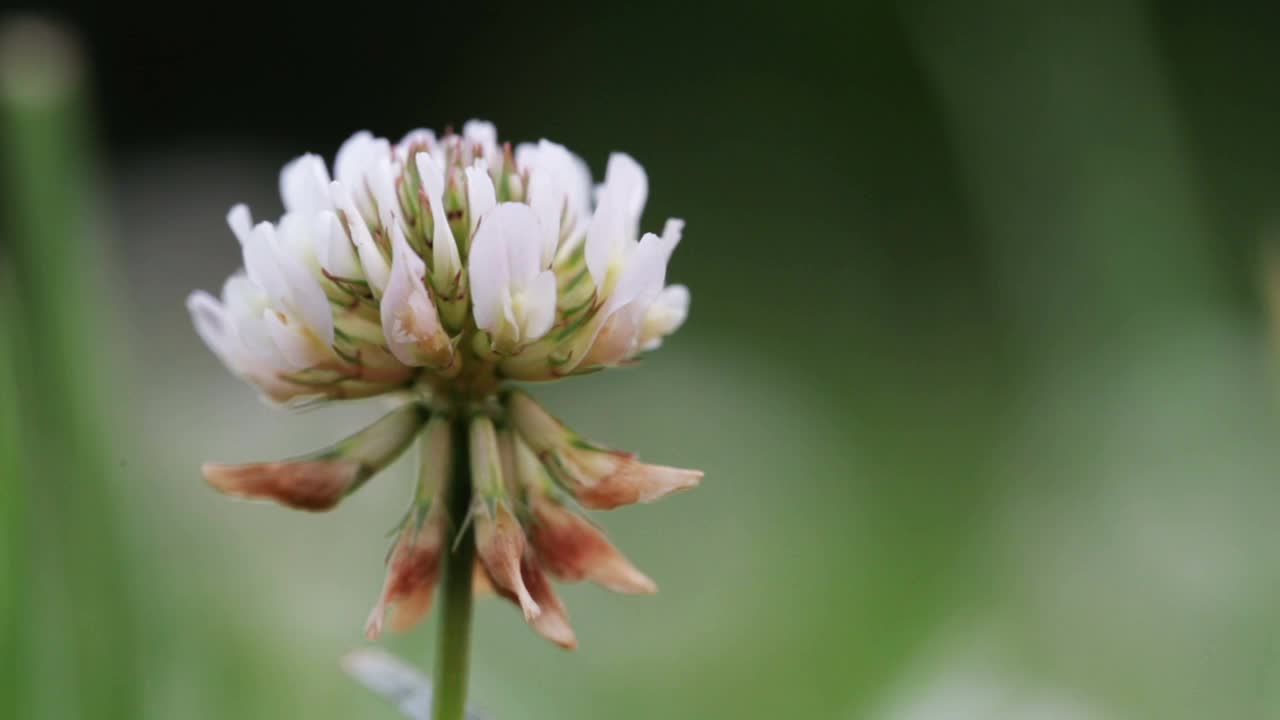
977,365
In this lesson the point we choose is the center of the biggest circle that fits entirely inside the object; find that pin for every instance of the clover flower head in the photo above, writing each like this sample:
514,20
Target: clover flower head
442,269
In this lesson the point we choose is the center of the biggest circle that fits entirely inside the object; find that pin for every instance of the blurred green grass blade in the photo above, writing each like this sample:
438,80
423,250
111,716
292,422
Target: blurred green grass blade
13,506
81,651
1069,140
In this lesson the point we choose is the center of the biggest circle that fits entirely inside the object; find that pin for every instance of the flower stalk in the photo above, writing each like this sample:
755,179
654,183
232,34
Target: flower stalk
453,639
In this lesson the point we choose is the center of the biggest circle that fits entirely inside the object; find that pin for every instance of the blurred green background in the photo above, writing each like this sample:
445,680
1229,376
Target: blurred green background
978,365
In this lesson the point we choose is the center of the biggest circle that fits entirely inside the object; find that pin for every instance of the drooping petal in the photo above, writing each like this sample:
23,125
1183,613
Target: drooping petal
500,541
599,478
570,548
314,485
413,570
413,566
552,622
320,480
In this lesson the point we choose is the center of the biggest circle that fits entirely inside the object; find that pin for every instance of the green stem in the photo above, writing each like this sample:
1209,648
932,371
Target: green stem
453,640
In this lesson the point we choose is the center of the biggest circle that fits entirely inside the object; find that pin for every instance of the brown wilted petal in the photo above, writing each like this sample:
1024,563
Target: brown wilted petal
412,572
500,544
603,480
570,548
598,477
553,622
313,485
481,585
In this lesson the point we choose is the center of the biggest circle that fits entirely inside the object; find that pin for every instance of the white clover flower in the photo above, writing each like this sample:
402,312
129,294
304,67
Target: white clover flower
442,268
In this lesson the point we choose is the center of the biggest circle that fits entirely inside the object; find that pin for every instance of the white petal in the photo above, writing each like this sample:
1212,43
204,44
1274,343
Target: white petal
481,196
414,141
444,248
304,185
548,202
626,183
382,186
673,231
603,238
408,313
611,235
356,167
244,302
645,272
560,184
482,134
375,265
298,349
284,277
489,273
241,222
540,306
353,157
262,264
335,252
521,235
306,296
213,326
667,313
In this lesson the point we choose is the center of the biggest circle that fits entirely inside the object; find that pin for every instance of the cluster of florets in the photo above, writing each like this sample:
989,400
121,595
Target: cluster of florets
452,262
